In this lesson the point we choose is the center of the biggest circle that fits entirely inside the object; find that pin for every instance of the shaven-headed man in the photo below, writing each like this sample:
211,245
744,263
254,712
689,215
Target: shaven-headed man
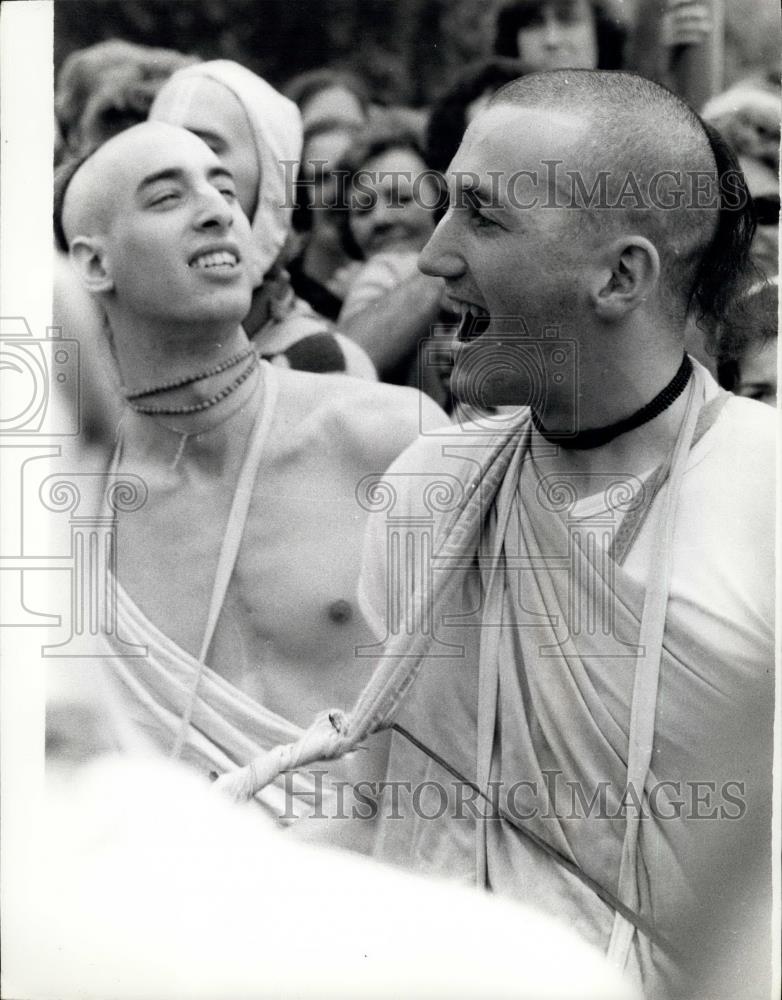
238,574
590,723
622,706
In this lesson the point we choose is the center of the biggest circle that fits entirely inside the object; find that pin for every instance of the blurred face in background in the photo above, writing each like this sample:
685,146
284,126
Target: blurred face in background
322,152
758,372
334,104
763,185
219,119
558,34
393,198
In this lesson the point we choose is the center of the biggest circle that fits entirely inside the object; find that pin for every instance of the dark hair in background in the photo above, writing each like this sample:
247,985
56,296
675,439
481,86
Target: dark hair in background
302,88
611,34
107,87
448,117
386,133
725,271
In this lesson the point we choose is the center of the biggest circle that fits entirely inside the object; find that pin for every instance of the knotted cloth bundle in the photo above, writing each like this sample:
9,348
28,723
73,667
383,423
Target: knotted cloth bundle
327,739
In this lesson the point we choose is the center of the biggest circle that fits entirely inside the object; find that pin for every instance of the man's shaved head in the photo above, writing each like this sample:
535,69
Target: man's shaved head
636,131
143,218
88,199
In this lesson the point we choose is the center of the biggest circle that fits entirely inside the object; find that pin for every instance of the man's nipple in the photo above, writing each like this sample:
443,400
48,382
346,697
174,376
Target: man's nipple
341,611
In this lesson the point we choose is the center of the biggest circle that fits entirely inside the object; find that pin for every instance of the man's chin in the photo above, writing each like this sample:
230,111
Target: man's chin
218,314
499,376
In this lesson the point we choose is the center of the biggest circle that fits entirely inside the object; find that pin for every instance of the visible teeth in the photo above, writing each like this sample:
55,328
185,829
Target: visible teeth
466,307
474,322
217,258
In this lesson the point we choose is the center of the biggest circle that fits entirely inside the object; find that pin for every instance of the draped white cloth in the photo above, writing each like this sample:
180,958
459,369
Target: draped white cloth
545,704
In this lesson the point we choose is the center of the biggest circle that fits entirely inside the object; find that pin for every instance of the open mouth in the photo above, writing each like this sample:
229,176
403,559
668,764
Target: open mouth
222,259
473,323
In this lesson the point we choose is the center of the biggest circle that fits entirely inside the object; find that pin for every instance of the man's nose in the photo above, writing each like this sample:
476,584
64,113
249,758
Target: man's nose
440,257
213,210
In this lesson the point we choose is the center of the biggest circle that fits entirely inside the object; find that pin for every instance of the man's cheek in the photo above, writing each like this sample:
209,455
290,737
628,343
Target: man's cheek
251,257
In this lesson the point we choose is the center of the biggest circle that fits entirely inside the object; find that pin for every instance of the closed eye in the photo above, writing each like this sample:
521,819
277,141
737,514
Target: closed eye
479,220
478,216
164,198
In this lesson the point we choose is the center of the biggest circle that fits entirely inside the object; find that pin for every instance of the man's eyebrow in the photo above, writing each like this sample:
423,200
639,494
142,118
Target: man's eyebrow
481,197
168,174
218,170
177,174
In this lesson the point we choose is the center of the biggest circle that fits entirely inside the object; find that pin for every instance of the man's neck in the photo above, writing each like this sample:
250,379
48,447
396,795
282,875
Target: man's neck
192,375
632,454
612,388
615,370
152,354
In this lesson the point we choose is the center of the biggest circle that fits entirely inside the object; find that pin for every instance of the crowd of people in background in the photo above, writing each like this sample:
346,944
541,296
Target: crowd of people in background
343,291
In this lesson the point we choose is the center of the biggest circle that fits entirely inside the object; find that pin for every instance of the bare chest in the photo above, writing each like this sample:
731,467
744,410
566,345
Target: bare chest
288,623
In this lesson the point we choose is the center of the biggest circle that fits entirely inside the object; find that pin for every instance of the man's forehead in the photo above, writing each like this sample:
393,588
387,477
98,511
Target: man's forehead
154,148
506,137
116,170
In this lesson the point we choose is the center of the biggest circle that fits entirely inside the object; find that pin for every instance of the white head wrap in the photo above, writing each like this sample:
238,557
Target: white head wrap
276,127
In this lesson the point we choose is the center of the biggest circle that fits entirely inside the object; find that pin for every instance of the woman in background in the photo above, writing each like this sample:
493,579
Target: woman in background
390,307
560,34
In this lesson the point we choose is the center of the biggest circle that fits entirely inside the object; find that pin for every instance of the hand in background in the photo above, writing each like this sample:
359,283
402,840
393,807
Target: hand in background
339,283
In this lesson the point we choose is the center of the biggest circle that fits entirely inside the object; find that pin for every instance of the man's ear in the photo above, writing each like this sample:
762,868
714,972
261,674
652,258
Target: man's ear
89,259
628,278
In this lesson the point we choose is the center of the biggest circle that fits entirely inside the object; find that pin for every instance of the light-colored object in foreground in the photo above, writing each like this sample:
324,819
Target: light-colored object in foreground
146,885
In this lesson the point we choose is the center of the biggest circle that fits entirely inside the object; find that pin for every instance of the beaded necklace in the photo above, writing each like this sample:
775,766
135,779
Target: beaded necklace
204,404
190,379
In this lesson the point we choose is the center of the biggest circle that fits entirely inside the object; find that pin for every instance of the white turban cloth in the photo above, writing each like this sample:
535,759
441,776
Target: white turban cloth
276,127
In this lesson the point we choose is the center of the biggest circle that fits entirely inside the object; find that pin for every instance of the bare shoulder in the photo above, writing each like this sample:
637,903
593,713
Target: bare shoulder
372,421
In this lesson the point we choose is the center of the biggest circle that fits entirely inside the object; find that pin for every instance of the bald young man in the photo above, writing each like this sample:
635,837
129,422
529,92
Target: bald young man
593,689
238,574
